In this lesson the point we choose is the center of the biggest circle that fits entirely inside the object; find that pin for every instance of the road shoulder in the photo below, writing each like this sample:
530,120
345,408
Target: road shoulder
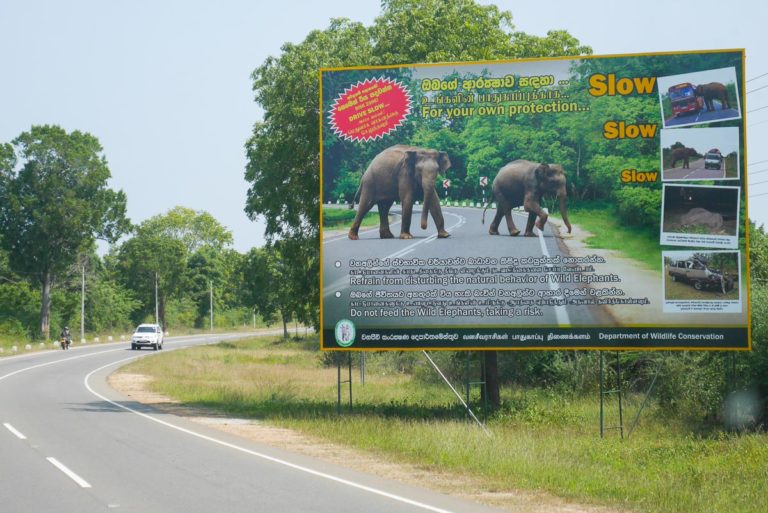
136,387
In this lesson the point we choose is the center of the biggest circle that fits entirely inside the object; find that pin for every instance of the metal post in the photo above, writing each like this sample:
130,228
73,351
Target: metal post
338,384
211,300
602,395
467,379
645,401
362,368
349,361
618,388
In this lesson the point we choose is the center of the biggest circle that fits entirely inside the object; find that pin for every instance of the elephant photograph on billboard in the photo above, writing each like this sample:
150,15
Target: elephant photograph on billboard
697,154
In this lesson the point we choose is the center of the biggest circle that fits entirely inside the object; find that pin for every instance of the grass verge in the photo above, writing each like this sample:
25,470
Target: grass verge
540,440
608,232
337,218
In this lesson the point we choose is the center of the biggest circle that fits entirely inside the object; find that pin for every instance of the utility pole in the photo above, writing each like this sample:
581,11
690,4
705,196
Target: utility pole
157,316
82,308
211,282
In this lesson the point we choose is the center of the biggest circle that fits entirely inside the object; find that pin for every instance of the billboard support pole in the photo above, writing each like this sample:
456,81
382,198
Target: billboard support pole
339,381
602,395
469,410
604,392
482,382
645,400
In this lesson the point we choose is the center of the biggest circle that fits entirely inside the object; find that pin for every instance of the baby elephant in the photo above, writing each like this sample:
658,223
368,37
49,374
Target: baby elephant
525,183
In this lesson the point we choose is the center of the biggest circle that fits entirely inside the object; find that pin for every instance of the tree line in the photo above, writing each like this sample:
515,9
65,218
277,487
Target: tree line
55,203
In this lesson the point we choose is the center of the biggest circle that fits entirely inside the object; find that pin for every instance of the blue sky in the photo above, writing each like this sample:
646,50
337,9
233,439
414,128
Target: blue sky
166,86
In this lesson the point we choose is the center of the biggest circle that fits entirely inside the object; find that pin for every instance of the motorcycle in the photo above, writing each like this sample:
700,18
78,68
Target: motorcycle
65,342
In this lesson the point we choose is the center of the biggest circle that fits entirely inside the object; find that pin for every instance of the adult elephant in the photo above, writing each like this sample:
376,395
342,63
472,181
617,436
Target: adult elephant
713,91
401,171
525,183
683,154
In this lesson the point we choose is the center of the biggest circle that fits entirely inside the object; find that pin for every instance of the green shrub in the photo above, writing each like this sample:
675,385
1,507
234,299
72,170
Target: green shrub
638,206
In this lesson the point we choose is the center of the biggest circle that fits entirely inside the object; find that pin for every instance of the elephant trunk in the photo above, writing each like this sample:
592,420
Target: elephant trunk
564,210
426,206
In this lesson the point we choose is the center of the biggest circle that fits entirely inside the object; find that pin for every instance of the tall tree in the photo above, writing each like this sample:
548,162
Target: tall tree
162,249
54,201
283,152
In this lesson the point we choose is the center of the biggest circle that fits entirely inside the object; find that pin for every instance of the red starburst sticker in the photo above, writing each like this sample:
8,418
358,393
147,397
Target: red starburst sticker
370,109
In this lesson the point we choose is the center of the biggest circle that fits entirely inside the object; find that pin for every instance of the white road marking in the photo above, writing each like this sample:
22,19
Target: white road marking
25,369
74,477
13,430
561,313
294,466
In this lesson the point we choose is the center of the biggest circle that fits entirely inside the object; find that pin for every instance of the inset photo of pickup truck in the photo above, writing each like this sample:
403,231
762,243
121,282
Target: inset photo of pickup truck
701,276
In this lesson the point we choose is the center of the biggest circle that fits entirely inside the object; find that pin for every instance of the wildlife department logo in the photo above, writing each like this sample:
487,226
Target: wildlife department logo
345,333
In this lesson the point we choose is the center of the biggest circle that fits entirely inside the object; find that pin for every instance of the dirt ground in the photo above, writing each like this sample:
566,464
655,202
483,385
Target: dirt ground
136,387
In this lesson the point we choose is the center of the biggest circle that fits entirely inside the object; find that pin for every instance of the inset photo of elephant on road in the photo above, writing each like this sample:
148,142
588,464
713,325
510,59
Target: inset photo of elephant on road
700,154
699,97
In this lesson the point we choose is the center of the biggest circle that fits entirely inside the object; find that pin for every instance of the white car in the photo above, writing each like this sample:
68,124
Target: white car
147,335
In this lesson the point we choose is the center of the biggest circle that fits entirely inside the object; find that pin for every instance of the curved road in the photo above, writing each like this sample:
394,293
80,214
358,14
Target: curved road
70,444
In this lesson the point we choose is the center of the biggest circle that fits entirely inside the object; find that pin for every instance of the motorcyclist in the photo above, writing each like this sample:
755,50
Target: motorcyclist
66,336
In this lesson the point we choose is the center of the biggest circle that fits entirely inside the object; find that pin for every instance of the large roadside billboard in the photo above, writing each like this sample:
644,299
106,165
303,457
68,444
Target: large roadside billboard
577,203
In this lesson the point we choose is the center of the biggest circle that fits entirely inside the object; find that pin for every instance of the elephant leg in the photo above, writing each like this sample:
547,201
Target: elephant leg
533,207
530,223
384,231
437,216
366,204
513,231
406,199
502,206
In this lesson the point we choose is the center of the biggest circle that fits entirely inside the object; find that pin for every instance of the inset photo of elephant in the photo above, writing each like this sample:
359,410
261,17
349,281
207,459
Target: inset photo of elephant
700,154
523,183
401,173
700,215
699,97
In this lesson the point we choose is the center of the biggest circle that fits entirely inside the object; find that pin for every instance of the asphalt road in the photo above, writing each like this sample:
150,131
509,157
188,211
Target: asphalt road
695,171
703,116
469,239
70,444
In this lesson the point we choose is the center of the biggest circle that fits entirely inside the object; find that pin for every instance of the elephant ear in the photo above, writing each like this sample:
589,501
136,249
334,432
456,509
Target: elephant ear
445,162
409,162
541,172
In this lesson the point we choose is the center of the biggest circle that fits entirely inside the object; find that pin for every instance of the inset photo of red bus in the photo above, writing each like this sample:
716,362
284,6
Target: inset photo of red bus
699,97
